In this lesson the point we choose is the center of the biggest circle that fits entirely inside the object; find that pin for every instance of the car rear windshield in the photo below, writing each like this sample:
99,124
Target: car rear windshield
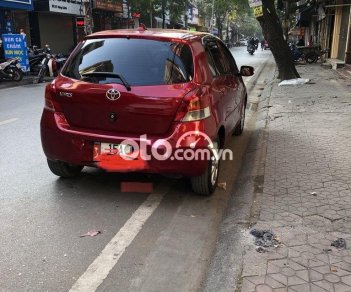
138,61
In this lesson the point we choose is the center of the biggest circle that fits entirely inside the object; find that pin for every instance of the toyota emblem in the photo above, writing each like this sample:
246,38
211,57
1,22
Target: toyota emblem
113,94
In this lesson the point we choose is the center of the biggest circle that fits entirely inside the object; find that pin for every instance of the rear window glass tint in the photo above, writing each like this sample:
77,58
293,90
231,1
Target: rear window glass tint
139,61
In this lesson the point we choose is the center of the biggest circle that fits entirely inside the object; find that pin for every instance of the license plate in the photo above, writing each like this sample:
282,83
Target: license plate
115,149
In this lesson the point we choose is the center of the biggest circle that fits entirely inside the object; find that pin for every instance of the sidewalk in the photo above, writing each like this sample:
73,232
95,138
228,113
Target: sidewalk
305,198
26,80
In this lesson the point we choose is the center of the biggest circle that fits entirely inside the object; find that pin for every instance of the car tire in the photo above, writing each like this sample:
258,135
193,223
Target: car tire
64,169
206,183
239,129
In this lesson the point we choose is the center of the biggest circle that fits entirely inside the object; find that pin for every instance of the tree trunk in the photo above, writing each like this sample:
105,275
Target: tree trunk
273,33
163,13
219,27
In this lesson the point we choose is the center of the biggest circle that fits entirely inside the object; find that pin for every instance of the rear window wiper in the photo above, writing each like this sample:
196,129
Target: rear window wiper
108,74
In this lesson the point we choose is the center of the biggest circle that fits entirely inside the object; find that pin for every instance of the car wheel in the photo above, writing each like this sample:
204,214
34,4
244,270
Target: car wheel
64,169
206,183
239,129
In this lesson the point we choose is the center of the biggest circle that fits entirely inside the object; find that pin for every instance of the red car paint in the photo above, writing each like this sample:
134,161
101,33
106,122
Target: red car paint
75,117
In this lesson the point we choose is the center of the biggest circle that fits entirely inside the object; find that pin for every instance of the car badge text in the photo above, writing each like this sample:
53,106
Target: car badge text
66,94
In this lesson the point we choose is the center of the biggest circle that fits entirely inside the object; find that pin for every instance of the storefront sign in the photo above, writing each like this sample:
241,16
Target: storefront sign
69,7
110,5
17,4
15,46
258,11
254,3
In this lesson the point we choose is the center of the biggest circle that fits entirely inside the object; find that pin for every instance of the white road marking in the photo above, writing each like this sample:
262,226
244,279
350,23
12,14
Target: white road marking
108,258
8,121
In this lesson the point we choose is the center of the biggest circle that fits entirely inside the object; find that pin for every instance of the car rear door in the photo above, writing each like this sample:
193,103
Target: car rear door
223,82
234,80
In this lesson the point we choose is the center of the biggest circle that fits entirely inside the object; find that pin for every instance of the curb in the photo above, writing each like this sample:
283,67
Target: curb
252,82
225,269
10,84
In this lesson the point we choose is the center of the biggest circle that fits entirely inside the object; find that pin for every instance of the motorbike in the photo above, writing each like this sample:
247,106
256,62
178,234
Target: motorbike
251,49
50,65
299,55
11,70
35,56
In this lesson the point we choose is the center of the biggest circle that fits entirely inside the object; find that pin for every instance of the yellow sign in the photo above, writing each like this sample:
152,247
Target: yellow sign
258,11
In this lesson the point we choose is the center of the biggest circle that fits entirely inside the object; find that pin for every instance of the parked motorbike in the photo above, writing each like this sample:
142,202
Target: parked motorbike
299,55
11,70
251,49
50,65
35,56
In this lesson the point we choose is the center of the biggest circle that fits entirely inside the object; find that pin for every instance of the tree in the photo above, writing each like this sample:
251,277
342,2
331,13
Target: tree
273,33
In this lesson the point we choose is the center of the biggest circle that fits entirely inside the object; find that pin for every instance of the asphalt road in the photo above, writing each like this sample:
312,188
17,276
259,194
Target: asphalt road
149,242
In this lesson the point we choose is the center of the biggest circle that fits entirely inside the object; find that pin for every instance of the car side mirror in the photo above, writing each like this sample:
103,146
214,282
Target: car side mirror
247,71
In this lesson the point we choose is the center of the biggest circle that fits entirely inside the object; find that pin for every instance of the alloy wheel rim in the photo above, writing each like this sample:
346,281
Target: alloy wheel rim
242,116
214,163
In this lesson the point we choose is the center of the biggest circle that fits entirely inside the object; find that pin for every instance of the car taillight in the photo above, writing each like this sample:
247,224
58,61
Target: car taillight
195,106
50,103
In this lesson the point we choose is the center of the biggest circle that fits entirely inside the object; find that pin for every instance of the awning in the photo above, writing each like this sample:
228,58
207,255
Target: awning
305,16
17,4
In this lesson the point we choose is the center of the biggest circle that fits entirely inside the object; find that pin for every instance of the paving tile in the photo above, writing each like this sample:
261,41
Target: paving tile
301,288
303,157
247,286
294,280
339,287
263,288
280,278
346,280
325,285
256,279
303,275
273,283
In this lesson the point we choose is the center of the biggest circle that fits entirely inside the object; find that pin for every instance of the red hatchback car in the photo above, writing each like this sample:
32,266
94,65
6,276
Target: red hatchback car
145,100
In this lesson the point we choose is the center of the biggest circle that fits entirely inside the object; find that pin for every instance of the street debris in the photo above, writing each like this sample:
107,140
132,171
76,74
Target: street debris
327,250
272,118
260,249
313,194
265,238
339,243
335,96
333,269
223,185
91,233
293,82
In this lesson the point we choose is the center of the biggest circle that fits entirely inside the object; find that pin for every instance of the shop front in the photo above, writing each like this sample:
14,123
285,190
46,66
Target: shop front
108,14
54,23
14,16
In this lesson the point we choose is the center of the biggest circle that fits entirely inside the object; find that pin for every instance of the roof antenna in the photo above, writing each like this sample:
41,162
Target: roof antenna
142,27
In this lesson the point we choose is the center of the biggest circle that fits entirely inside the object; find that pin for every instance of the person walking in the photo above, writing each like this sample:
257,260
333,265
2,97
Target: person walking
263,44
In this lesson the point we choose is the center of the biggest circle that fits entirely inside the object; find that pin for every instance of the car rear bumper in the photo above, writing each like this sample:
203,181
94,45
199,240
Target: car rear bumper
79,146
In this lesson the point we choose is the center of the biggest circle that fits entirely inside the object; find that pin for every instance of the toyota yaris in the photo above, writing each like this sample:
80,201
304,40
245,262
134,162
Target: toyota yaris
157,101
